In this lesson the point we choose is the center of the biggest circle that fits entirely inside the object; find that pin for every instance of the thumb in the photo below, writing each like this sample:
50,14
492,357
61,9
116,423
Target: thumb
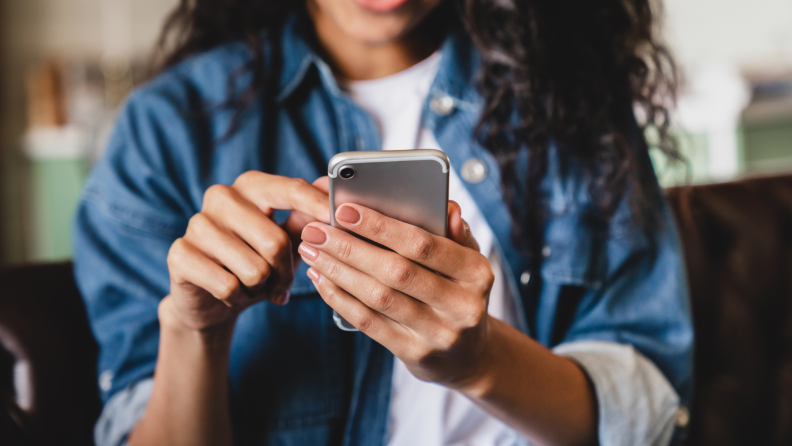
297,221
458,229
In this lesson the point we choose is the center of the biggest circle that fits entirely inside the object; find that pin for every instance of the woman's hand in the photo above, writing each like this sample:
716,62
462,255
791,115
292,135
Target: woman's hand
233,255
426,301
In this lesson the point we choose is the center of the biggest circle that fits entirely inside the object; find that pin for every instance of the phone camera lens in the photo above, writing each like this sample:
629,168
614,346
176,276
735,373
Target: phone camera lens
347,173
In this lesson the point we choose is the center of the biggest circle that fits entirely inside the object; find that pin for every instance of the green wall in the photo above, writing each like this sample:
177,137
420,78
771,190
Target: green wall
768,146
55,190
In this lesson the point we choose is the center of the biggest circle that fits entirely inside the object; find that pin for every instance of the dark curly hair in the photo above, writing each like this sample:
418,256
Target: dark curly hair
571,71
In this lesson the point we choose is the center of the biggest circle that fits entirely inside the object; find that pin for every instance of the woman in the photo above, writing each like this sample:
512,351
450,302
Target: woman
556,312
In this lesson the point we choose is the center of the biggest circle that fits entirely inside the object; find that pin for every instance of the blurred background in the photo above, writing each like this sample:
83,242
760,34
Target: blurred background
67,65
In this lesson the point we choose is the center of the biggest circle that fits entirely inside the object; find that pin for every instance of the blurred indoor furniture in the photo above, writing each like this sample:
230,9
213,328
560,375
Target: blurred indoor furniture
738,245
48,390
57,144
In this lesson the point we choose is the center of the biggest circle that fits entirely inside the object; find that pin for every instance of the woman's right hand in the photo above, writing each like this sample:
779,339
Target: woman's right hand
234,255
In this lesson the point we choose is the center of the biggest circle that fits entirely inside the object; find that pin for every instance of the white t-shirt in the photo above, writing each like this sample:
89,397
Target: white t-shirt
423,413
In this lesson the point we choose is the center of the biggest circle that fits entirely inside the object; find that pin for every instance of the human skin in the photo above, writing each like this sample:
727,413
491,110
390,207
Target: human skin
233,256
363,44
426,301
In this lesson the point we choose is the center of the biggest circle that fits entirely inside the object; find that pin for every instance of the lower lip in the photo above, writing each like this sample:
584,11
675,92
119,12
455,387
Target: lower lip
381,5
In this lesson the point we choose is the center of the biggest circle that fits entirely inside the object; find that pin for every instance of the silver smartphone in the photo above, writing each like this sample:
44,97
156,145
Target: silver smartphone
408,185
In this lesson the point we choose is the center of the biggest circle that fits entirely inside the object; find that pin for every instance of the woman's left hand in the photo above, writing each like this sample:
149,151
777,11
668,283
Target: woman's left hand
425,301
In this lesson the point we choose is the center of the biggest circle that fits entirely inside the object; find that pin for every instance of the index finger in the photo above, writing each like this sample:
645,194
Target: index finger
434,252
270,192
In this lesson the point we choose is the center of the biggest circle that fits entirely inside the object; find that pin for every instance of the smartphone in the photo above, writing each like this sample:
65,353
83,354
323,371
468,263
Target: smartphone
408,185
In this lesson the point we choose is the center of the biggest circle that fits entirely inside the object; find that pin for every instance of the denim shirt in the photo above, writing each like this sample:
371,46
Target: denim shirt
296,379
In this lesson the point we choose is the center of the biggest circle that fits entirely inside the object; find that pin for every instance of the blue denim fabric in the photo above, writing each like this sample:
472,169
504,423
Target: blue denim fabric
295,378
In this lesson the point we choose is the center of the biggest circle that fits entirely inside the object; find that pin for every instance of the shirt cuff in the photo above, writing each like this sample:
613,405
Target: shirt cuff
121,413
637,404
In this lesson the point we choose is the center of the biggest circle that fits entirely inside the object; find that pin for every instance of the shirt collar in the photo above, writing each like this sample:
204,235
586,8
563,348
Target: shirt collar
458,69
297,56
455,77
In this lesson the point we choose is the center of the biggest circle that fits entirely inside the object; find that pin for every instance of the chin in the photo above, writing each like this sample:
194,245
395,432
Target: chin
375,31
376,21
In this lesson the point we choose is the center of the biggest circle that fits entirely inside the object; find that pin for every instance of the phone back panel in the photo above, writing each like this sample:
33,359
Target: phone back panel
410,186
414,191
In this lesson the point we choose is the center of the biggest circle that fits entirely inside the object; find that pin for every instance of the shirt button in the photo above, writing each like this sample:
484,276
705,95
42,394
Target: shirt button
442,105
682,416
106,380
525,278
474,171
546,251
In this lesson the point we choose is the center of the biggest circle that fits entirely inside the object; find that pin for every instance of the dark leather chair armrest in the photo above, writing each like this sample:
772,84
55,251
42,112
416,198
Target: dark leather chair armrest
47,359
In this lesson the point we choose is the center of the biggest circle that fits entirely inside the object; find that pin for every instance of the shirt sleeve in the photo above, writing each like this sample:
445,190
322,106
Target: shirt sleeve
121,413
136,202
637,404
628,288
621,285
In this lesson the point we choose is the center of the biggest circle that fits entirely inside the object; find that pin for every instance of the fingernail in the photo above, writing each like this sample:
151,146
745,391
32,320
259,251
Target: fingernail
308,253
283,299
313,275
314,236
348,214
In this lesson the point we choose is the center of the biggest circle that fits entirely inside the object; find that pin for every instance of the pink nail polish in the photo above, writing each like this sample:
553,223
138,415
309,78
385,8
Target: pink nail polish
308,253
314,236
348,215
313,275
